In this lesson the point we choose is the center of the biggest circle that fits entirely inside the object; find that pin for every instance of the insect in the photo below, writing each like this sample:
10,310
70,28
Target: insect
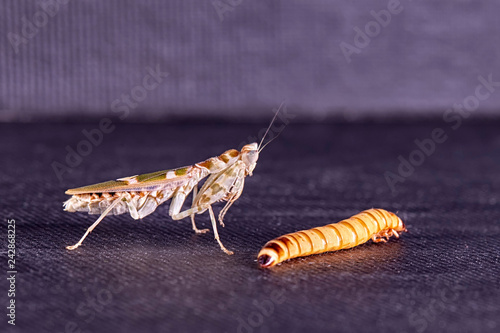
140,195
377,224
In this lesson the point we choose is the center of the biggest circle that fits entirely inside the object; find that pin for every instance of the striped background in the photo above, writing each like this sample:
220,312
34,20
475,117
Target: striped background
89,53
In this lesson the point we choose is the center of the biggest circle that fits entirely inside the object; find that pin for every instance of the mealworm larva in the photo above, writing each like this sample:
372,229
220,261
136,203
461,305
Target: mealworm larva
374,223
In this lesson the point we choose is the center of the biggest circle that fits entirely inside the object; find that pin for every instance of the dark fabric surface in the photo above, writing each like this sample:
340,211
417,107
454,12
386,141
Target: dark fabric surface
155,275
86,54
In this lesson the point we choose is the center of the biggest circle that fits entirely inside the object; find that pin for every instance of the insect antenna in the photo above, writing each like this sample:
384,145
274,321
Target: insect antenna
267,131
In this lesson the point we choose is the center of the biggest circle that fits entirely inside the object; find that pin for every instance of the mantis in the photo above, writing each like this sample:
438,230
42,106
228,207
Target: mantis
140,195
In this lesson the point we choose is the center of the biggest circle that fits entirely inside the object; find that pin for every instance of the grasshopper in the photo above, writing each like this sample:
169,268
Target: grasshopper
140,195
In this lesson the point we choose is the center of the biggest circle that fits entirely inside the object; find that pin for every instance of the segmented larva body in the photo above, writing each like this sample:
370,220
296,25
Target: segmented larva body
372,224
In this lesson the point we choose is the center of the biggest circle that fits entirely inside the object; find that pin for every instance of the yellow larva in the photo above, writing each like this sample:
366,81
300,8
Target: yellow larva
372,223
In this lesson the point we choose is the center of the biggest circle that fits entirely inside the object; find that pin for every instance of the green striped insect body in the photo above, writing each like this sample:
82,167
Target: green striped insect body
140,195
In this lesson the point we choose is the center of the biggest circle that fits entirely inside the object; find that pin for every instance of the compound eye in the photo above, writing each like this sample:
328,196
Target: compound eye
252,156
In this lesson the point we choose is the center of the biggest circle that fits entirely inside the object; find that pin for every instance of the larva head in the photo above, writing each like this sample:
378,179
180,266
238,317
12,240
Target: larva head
267,257
249,156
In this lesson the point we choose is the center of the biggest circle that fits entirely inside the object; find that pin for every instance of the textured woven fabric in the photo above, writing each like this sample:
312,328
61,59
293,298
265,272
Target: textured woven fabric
155,275
243,59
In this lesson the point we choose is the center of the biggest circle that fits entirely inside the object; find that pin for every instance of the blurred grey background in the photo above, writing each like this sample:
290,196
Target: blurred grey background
240,58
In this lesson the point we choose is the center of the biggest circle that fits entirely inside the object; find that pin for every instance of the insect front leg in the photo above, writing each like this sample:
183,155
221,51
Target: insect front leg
176,205
234,195
221,186
196,230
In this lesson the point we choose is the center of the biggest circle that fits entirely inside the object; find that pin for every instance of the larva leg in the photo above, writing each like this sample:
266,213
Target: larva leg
214,226
196,230
378,239
384,235
387,234
89,230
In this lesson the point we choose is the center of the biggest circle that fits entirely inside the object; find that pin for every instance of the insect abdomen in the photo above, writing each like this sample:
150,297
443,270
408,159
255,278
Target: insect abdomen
138,204
336,236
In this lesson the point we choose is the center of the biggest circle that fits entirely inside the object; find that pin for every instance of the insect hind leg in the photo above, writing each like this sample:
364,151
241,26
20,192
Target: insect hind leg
89,230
